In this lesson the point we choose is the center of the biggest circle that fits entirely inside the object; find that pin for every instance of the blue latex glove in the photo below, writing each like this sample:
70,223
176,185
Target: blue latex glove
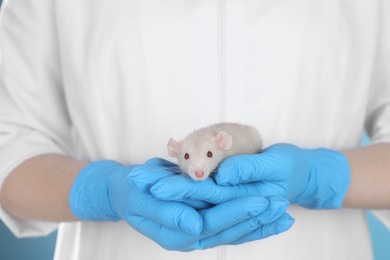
312,178
144,180
102,192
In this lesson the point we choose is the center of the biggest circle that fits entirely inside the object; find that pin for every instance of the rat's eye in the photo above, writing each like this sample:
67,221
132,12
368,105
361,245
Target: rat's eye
209,154
186,156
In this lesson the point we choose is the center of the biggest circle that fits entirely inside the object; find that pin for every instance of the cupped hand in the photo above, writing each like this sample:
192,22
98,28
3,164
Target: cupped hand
312,178
233,222
102,192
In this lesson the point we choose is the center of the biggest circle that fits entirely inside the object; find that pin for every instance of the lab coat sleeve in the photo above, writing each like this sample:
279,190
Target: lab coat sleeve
33,115
378,113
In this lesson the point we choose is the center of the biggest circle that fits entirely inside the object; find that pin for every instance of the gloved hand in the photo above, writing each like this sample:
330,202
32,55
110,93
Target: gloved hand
102,192
144,180
312,178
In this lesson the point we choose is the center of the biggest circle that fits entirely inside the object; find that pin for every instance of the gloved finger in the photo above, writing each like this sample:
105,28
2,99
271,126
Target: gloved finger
162,163
248,168
246,229
179,188
167,238
174,240
231,213
175,215
276,208
144,176
197,204
281,225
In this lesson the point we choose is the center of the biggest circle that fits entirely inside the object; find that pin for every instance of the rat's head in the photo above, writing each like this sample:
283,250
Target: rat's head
200,153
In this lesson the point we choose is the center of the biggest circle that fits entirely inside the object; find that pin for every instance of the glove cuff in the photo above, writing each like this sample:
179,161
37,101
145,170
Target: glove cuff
329,180
89,197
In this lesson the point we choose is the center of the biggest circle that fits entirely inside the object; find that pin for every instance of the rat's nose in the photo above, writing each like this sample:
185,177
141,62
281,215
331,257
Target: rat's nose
199,173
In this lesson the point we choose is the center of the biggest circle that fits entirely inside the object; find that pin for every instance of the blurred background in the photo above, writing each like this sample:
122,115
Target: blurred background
42,248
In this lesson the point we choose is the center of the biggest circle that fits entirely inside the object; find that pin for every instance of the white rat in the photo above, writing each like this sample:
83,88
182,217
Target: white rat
200,152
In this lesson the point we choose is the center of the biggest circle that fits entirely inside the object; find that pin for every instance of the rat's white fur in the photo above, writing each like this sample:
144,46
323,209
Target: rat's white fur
215,138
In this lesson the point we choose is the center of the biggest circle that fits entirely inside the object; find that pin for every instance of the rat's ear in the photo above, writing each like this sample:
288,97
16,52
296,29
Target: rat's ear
223,140
174,147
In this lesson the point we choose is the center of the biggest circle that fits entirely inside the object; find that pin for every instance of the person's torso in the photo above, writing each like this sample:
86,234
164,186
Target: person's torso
137,72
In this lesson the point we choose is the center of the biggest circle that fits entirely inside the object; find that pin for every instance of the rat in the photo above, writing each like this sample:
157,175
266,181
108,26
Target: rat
200,153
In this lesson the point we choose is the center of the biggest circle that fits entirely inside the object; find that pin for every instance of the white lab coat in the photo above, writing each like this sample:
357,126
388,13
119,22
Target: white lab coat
115,79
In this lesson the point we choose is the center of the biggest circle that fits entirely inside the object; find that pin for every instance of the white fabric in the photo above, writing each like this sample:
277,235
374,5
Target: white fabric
115,79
